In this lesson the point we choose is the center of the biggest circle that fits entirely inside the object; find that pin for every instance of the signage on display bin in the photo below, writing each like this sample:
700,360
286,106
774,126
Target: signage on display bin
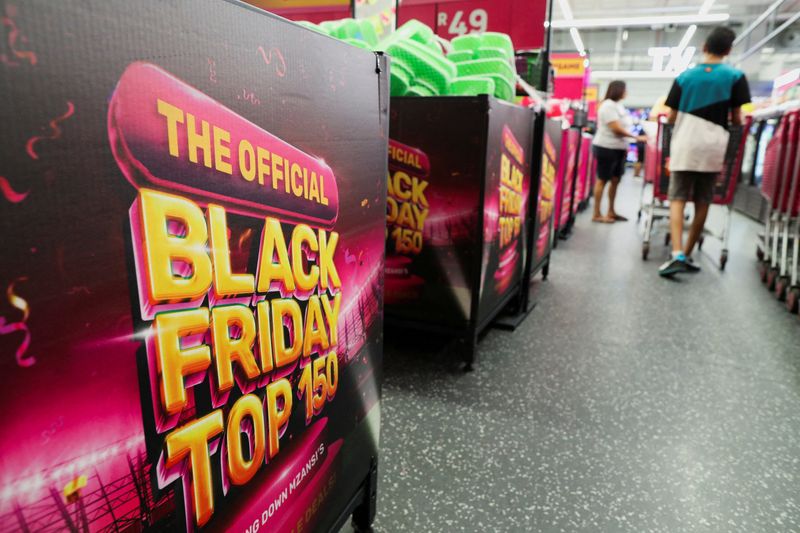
459,181
194,269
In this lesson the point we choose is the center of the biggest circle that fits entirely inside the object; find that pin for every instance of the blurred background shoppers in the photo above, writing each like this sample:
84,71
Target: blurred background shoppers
611,149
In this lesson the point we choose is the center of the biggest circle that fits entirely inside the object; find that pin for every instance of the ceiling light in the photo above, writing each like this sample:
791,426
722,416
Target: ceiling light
576,38
706,7
641,21
565,9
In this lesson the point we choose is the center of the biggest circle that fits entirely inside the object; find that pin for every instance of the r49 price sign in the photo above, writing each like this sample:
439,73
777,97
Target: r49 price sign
461,22
523,20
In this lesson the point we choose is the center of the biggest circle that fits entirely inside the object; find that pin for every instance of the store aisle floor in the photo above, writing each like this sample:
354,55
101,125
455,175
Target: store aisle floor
624,403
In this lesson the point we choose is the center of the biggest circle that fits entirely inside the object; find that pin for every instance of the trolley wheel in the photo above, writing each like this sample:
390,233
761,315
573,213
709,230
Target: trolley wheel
793,299
639,216
645,251
781,284
667,239
772,278
723,260
759,253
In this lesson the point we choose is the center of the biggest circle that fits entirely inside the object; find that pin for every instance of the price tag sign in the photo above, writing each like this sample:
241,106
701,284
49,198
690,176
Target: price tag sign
523,20
458,19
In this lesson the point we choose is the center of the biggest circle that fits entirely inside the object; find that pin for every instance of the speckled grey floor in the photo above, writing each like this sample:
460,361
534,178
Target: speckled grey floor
624,403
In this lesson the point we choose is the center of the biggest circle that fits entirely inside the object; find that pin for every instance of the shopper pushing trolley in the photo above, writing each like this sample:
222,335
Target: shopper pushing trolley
702,100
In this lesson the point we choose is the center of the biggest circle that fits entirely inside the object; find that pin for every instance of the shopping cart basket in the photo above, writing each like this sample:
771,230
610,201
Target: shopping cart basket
657,174
788,223
775,187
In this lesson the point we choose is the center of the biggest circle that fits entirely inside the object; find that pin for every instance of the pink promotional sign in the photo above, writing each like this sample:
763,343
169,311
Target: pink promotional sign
521,19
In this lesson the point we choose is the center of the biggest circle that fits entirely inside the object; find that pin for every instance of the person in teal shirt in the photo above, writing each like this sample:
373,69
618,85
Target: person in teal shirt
703,100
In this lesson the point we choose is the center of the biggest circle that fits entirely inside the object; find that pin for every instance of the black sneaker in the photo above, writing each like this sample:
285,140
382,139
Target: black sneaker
672,267
691,267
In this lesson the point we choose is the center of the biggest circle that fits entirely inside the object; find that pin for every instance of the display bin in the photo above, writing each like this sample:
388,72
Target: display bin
459,180
568,170
583,190
548,190
193,216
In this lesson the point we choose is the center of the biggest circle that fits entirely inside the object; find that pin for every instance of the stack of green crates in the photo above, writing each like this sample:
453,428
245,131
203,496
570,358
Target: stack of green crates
359,33
488,56
478,64
419,66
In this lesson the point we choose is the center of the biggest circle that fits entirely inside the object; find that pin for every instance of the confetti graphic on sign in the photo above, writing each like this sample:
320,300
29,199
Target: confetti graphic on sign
248,96
9,193
55,131
280,65
15,36
6,328
212,70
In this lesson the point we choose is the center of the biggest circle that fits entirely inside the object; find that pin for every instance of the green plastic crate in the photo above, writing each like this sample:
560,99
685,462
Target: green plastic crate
367,33
419,90
415,30
437,71
399,64
426,85
486,52
466,42
399,82
482,67
503,89
492,39
472,86
461,55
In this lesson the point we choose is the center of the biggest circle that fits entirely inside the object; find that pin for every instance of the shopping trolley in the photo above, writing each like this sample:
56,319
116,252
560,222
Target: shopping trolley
776,187
788,224
652,157
657,175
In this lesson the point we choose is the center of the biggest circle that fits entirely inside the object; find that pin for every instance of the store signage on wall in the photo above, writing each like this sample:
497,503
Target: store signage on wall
568,65
460,22
675,59
591,93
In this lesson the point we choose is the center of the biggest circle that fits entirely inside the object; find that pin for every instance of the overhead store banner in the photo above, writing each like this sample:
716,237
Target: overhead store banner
193,269
568,65
571,75
523,20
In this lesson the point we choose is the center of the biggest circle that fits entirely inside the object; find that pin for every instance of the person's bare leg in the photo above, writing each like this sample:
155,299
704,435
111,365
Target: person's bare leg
598,199
676,209
612,197
637,169
696,229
